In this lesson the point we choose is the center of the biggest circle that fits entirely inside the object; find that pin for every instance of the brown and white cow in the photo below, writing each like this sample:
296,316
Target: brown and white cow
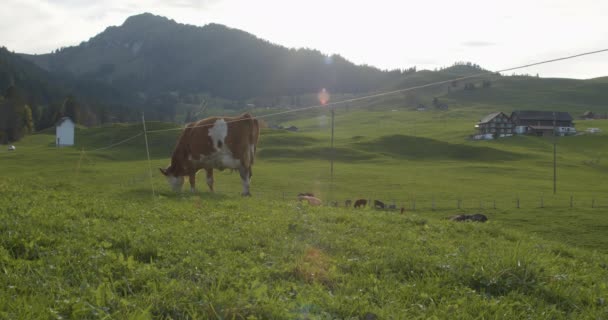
214,143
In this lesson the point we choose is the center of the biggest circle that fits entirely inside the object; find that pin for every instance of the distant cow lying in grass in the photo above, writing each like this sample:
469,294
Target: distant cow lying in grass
308,194
361,203
379,204
311,200
478,217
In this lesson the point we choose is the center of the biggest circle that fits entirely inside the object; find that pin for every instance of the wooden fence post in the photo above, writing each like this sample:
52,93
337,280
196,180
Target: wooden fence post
542,204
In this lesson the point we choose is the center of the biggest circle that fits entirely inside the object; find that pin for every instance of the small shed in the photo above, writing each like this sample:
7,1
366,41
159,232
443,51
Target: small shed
64,132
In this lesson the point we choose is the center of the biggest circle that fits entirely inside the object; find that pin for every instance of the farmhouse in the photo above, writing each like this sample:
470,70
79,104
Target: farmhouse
543,123
64,132
497,124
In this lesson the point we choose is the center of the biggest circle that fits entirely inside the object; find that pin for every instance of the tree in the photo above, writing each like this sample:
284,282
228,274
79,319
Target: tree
27,122
17,115
71,108
469,86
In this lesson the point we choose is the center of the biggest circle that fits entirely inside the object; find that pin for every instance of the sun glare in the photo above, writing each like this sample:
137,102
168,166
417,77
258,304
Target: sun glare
323,96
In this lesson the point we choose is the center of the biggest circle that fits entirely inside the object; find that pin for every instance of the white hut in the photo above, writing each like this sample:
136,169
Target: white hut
65,132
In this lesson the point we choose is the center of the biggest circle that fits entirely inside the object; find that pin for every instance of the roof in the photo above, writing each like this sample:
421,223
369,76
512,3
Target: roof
489,117
542,115
60,121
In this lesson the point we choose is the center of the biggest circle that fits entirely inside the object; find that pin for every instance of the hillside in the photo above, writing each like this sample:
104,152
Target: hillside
97,236
42,87
150,53
178,73
530,93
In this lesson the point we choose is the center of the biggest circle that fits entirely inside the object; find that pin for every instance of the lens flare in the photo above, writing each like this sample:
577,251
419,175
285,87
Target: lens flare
323,97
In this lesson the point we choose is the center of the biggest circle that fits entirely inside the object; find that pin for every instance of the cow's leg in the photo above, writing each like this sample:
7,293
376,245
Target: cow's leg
192,182
210,178
245,178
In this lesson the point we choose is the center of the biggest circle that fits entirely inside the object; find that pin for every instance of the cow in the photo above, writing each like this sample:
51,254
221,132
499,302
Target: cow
308,194
360,203
379,204
348,203
478,217
214,143
311,200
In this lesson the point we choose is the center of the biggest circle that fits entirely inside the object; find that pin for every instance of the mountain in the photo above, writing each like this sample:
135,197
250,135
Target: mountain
150,54
178,72
42,86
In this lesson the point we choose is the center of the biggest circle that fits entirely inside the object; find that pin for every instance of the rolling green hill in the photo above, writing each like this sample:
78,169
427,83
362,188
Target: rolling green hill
83,235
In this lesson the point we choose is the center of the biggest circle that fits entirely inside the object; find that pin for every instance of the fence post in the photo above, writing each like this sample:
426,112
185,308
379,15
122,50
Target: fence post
494,203
79,161
459,200
480,204
414,204
517,202
542,204
143,120
570,201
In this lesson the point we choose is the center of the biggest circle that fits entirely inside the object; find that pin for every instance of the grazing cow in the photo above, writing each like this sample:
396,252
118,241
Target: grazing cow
478,217
379,204
348,203
360,203
214,143
311,200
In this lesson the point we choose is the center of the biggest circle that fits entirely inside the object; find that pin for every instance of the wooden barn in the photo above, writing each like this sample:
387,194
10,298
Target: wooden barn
543,123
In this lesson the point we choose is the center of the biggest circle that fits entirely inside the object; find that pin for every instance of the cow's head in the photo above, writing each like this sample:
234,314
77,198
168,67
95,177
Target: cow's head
175,182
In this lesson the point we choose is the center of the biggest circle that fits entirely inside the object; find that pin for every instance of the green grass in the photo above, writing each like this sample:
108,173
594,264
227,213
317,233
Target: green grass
82,236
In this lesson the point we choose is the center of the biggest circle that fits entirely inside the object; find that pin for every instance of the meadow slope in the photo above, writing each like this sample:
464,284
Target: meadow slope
91,234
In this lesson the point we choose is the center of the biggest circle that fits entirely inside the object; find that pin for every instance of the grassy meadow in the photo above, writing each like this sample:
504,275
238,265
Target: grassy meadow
90,234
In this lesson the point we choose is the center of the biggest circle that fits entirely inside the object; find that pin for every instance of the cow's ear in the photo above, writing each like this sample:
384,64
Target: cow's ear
163,171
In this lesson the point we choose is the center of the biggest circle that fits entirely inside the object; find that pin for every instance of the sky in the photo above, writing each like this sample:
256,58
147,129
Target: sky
388,34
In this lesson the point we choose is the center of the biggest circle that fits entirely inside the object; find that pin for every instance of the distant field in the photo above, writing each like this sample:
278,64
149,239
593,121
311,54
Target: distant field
82,235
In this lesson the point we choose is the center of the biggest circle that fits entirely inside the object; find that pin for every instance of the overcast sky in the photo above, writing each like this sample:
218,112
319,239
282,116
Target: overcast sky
387,34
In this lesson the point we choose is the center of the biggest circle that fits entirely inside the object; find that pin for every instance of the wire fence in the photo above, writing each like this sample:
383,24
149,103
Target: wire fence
142,180
409,202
